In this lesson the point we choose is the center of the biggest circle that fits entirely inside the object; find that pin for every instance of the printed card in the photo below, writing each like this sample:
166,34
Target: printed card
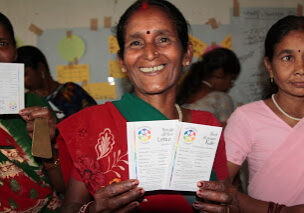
171,155
11,88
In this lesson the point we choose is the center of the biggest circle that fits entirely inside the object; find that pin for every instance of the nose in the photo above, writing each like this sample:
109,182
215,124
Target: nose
150,52
299,69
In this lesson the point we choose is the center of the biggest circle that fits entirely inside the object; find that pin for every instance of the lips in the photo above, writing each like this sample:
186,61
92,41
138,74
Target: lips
152,69
298,84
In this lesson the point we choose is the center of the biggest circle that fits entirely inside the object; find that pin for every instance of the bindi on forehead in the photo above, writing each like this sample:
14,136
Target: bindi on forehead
148,32
299,51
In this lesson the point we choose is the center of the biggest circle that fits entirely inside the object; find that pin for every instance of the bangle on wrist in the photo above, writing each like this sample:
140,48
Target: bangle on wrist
85,207
55,164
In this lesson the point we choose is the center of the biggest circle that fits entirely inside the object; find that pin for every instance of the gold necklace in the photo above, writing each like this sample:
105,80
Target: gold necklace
179,112
282,111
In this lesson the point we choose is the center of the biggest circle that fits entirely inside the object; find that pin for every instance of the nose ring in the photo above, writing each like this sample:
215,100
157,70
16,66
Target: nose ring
156,53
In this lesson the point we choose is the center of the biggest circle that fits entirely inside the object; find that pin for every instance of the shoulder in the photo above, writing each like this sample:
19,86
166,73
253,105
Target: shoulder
218,94
253,107
204,117
70,85
88,113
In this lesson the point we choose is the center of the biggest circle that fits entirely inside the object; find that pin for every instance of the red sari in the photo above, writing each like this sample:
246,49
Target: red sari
93,149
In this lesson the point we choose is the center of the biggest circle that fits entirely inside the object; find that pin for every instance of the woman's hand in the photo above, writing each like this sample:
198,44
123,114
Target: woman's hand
124,196
29,114
216,197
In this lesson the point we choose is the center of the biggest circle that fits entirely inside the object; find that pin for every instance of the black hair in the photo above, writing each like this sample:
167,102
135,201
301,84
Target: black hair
203,69
279,30
176,16
30,56
8,26
275,35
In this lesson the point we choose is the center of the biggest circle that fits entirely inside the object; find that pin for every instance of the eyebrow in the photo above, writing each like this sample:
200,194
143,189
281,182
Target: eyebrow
286,51
138,34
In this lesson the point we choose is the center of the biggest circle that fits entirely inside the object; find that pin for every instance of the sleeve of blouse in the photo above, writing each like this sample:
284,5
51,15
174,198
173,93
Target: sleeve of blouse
237,137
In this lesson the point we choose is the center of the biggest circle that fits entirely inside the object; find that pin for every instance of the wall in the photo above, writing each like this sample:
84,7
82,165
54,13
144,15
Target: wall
55,17
50,14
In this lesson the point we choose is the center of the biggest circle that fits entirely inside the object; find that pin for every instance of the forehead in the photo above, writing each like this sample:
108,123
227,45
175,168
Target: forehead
293,39
4,34
152,18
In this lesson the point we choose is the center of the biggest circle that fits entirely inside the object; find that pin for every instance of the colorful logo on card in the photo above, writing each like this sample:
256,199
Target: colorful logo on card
144,134
12,106
189,135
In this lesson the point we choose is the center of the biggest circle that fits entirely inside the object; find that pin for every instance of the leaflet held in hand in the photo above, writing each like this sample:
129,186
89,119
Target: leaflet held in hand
11,88
171,155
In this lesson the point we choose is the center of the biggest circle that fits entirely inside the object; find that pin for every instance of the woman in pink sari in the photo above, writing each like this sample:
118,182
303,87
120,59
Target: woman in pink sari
270,132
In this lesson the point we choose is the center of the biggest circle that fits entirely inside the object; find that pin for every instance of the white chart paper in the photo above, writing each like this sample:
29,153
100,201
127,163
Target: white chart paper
11,88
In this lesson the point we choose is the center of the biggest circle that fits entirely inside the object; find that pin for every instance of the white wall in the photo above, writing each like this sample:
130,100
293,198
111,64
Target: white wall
50,14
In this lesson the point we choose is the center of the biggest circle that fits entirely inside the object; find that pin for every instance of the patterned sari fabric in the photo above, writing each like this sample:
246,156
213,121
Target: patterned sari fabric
93,149
23,184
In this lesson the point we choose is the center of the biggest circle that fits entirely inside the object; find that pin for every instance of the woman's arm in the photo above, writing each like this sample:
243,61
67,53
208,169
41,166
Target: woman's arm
233,170
123,197
51,166
228,197
76,196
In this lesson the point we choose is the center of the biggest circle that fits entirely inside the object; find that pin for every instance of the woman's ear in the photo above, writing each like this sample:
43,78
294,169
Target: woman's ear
268,66
121,63
188,55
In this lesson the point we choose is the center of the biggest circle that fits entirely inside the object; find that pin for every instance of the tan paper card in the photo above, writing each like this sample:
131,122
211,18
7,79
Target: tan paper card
69,33
41,143
107,21
94,24
299,10
236,8
33,28
213,23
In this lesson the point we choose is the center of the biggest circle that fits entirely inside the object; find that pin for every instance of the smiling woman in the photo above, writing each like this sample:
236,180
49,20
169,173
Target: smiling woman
154,47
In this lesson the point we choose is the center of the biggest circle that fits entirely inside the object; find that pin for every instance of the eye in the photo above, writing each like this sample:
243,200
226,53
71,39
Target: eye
3,44
135,43
286,58
164,39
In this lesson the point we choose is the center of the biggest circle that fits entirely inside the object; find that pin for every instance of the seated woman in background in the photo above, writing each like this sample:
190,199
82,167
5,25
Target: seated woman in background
25,182
208,80
67,98
270,132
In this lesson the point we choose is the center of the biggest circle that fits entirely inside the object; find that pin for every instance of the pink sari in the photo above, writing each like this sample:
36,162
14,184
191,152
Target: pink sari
281,178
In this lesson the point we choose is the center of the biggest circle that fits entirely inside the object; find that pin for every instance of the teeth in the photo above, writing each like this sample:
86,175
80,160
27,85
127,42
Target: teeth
152,69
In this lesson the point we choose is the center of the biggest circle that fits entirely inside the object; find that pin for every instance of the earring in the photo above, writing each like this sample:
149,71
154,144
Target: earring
271,80
187,63
42,75
123,70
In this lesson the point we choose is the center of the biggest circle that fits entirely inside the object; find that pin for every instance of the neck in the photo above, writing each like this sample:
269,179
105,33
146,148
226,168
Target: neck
164,102
293,105
49,86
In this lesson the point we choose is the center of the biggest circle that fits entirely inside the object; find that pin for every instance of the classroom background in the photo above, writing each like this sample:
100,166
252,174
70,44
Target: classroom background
78,38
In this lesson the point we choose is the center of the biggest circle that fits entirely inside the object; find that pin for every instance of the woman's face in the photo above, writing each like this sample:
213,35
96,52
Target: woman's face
153,55
7,48
32,79
221,81
287,66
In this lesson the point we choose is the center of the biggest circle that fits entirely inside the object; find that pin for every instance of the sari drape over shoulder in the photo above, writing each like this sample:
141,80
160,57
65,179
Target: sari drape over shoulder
287,186
24,185
93,149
